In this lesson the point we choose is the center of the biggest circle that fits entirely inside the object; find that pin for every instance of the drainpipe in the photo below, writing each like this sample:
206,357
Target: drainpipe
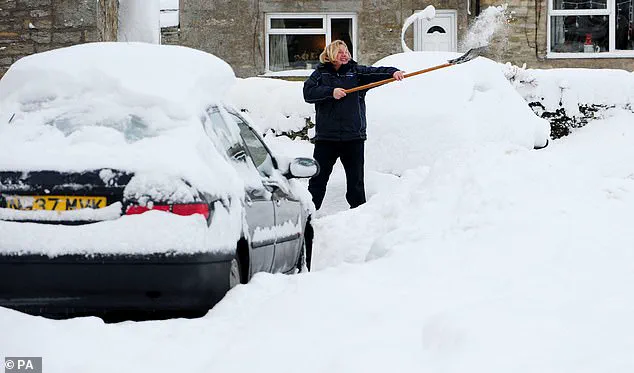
469,7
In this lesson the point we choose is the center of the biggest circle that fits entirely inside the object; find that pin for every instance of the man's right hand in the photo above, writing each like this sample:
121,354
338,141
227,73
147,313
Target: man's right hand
338,93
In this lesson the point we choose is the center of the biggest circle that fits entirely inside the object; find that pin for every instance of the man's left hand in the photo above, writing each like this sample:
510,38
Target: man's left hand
399,75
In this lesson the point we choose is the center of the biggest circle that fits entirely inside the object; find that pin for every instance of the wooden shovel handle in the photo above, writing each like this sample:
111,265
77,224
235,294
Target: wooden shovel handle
381,82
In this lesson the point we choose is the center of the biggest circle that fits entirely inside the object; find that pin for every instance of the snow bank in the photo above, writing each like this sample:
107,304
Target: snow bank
419,119
511,252
570,98
497,259
275,105
571,88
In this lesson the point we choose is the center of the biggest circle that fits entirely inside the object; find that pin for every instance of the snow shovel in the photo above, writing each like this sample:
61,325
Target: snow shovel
471,54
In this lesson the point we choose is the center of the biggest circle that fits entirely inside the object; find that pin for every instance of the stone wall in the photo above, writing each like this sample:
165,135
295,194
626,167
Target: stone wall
526,40
31,26
234,29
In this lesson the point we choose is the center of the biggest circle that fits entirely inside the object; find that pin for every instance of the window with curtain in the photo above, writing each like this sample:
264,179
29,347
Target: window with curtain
590,28
294,41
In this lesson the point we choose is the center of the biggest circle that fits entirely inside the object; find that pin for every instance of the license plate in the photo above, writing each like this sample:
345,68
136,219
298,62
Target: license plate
54,203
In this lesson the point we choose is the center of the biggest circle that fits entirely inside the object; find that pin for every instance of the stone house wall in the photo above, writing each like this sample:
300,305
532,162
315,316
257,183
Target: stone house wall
526,40
235,31
31,26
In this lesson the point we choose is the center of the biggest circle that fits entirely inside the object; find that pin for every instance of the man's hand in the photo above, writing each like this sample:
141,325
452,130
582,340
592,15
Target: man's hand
399,75
338,93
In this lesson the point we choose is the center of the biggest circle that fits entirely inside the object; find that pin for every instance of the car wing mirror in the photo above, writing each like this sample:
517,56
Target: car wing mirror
303,167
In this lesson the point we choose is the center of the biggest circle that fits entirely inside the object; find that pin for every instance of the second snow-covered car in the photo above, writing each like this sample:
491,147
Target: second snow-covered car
127,187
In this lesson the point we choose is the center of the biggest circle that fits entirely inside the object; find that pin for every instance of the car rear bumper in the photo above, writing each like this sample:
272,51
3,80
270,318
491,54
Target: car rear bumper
91,285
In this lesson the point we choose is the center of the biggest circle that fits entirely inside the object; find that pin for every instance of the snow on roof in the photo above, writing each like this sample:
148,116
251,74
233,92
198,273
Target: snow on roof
423,116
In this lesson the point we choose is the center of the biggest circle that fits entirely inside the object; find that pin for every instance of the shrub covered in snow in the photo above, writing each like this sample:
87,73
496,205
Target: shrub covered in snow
570,98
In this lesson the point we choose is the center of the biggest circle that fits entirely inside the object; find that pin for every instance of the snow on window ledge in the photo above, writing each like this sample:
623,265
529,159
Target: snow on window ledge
624,54
287,73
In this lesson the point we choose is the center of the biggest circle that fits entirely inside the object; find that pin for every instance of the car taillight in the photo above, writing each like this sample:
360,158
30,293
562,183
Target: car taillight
184,209
191,209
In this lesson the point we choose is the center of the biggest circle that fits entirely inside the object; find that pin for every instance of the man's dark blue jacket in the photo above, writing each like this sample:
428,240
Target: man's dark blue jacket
343,119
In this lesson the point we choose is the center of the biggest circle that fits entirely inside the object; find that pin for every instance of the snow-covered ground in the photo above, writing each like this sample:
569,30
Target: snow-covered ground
481,255
495,259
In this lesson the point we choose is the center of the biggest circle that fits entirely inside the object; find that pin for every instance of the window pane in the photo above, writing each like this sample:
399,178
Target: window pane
297,23
289,52
624,24
259,154
579,34
580,4
219,132
342,30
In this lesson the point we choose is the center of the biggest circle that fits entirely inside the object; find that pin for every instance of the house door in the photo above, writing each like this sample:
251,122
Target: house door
438,34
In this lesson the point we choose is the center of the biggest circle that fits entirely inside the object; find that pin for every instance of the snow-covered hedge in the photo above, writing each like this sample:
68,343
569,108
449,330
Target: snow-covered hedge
570,98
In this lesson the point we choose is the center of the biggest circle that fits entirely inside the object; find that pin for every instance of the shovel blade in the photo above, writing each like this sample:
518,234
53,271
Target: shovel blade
471,54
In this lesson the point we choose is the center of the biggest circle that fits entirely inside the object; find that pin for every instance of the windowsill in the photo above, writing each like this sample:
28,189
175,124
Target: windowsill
554,56
287,73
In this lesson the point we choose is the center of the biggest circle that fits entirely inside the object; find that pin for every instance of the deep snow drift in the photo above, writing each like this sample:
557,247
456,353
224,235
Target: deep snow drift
423,117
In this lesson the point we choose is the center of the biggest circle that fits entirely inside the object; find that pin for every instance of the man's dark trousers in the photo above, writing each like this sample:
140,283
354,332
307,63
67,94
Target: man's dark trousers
351,154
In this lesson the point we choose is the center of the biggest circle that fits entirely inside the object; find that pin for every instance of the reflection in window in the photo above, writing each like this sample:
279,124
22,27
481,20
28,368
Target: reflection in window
580,34
218,130
624,24
580,4
583,26
341,29
260,155
295,23
290,52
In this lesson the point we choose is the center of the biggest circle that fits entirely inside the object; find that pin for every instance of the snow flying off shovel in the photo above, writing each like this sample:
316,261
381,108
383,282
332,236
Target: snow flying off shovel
471,54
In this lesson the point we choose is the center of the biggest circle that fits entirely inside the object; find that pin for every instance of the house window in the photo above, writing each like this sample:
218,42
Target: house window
169,13
591,28
294,41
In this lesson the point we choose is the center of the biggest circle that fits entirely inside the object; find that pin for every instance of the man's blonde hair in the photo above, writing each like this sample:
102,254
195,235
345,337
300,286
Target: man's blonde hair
330,52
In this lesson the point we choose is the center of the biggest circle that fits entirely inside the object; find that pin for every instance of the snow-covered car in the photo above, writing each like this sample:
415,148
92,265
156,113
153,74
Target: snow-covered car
126,184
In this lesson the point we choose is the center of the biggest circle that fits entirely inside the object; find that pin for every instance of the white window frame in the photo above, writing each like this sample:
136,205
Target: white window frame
326,30
610,11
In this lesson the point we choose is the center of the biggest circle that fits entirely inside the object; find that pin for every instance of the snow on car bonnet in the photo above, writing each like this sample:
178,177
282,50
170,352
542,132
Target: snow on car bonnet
129,106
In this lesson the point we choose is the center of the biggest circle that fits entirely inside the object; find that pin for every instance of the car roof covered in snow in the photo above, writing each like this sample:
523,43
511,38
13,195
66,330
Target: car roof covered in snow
172,73
129,106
